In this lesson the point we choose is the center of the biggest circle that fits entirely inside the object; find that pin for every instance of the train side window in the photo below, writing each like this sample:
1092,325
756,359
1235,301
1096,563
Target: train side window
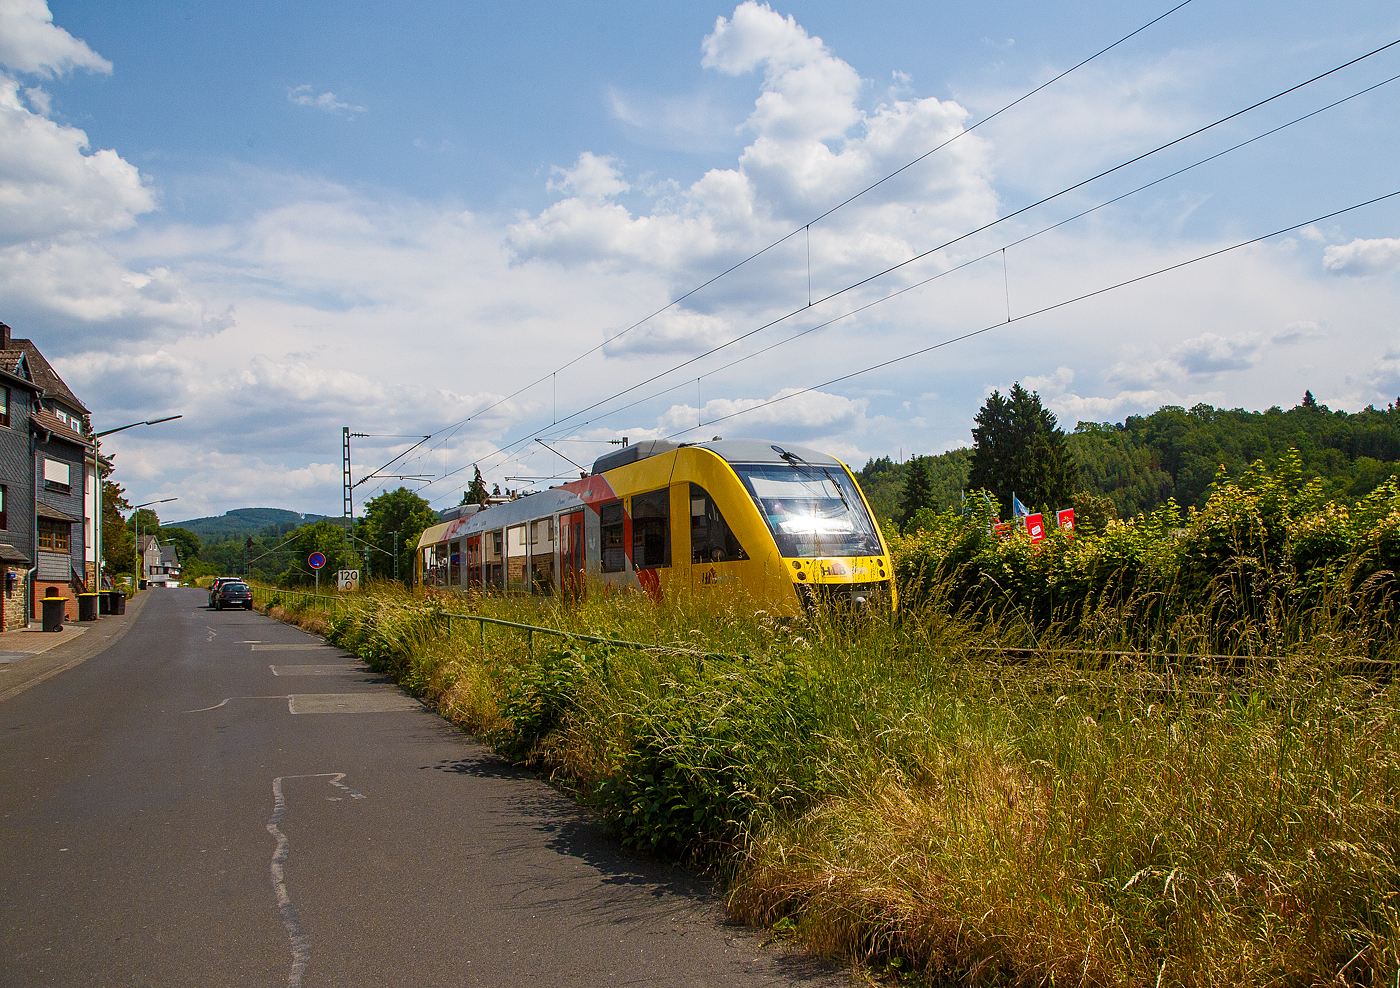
610,521
651,529
711,541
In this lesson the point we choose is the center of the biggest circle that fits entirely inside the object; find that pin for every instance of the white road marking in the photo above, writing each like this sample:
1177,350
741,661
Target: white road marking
366,702
301,943
212,634
279,696
289,648
315,670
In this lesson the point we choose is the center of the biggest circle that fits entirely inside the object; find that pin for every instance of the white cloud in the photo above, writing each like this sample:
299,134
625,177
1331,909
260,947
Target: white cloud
692,122
306,96
30,42
39,100
50,189
805,415
80,286
1104,112
674,331
812,145
1071,408
1385,376
592,177
1363,257
1049,384
1210,354
807,92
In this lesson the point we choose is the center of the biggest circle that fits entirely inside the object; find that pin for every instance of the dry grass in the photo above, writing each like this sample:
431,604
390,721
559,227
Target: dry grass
886,794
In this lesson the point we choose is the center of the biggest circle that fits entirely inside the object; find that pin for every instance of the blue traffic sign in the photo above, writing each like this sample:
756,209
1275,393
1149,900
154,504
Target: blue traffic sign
316,560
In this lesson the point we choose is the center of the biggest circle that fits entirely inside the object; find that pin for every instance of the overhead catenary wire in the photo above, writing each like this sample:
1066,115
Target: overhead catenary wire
982,257
505,450
807,225
372,473
1041,311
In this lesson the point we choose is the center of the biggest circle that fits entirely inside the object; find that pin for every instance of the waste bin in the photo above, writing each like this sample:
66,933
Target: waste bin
104,602
118,601
53,612
87,606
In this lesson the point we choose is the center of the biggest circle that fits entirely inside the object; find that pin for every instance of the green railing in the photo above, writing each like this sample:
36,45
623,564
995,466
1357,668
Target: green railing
331,603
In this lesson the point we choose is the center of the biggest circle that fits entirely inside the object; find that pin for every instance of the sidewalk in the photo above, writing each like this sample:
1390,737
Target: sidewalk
31,641
28,657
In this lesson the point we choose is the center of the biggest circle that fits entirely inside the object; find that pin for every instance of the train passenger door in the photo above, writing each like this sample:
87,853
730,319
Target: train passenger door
572,566
473,562
714,548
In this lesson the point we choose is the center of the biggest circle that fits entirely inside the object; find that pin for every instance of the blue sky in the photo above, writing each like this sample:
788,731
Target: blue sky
281,219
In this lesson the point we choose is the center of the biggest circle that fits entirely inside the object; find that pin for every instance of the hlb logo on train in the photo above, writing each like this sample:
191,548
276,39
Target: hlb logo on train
836,567
712,576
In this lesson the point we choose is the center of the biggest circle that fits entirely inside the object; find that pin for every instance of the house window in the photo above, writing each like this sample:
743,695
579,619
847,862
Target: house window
53,535
4,523
57,476
5,406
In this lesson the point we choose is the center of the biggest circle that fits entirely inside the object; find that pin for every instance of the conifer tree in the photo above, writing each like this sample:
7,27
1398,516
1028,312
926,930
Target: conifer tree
476,492
1019,447
917,493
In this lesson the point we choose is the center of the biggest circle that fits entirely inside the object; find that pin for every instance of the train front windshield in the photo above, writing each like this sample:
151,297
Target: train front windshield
811,510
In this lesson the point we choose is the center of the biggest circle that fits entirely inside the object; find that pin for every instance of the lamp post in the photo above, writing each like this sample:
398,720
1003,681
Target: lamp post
136,553
97,495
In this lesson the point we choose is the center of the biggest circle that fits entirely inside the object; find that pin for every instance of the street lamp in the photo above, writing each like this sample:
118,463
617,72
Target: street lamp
136,552
97,496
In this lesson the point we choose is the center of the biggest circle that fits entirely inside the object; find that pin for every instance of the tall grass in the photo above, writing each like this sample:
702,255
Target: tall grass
902,795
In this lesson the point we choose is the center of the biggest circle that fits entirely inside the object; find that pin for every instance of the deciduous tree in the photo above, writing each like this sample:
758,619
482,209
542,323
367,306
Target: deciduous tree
399,511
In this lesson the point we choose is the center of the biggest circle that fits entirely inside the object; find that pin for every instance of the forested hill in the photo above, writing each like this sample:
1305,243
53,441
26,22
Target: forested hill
243,521
1175,452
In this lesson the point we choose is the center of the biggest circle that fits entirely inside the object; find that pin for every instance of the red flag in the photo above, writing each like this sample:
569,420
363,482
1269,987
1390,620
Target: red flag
1035,526
1001,528
1065,517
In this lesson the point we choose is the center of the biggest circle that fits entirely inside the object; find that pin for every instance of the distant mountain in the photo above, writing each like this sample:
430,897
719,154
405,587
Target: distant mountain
242,521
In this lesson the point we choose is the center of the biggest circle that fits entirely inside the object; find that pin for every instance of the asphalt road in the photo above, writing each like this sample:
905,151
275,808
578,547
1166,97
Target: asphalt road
219,799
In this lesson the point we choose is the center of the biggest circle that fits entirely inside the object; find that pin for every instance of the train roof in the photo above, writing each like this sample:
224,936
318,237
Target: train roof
731,450
498,516
762,451
563,499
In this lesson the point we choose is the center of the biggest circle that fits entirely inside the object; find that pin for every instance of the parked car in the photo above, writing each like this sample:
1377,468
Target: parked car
218,582
234,594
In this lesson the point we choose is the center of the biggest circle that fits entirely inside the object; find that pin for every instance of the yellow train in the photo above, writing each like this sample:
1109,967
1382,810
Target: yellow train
787,524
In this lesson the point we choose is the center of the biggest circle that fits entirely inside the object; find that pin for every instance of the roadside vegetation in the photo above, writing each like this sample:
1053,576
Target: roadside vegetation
1135,466
1161,752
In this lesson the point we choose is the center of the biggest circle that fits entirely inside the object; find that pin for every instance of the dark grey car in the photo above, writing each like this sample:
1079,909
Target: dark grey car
233,594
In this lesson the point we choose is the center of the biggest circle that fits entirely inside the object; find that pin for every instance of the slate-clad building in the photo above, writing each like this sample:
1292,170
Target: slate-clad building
47,484
19,395
59,462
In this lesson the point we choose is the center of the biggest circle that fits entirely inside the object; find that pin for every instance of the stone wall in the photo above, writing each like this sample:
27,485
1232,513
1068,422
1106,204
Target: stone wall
12,602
